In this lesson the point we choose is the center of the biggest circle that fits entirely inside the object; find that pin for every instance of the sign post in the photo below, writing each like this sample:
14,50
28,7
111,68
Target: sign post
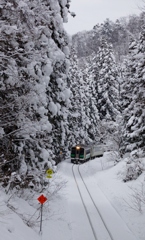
42,199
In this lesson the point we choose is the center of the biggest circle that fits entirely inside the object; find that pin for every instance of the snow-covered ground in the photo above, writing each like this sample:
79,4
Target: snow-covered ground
64,215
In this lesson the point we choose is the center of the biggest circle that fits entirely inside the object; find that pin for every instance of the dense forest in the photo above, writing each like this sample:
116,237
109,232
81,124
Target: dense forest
55,92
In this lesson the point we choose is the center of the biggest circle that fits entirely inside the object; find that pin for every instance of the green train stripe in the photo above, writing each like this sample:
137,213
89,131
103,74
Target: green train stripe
72,155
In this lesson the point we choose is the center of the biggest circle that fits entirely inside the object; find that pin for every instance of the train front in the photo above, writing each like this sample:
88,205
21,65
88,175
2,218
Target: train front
77,154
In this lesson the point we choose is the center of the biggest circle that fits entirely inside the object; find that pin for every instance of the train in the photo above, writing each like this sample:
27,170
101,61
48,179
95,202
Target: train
83,152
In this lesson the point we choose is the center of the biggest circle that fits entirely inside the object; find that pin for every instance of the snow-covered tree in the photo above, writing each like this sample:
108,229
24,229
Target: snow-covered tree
83,112
106,29
93,131
33,88
74,118
87,133
134,113
107,83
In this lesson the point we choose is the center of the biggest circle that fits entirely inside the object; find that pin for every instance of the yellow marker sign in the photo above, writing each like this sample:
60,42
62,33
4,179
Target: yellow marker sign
49,176
49,171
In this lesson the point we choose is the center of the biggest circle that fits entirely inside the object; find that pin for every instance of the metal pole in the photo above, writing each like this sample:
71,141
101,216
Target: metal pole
41,218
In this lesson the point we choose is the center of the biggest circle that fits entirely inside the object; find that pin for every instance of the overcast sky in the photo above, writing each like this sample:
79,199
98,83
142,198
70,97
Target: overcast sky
91,12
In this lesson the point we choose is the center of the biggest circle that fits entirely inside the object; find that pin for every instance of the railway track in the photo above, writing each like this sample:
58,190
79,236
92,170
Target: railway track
94,216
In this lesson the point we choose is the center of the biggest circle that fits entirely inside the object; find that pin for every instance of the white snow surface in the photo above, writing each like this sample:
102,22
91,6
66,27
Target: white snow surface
64,216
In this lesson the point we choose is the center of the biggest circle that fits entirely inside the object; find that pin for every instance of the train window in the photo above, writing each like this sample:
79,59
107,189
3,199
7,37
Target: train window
81,150
73,150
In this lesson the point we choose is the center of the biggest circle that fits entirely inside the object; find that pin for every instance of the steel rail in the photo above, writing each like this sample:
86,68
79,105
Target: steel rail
95,237
111,237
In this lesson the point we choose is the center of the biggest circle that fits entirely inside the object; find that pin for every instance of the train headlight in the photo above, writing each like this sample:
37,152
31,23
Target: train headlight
77,147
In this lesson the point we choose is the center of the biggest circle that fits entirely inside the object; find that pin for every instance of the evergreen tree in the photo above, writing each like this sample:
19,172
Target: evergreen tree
134,113
107,83
93,131
85,110
74,117
106,30
33,89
